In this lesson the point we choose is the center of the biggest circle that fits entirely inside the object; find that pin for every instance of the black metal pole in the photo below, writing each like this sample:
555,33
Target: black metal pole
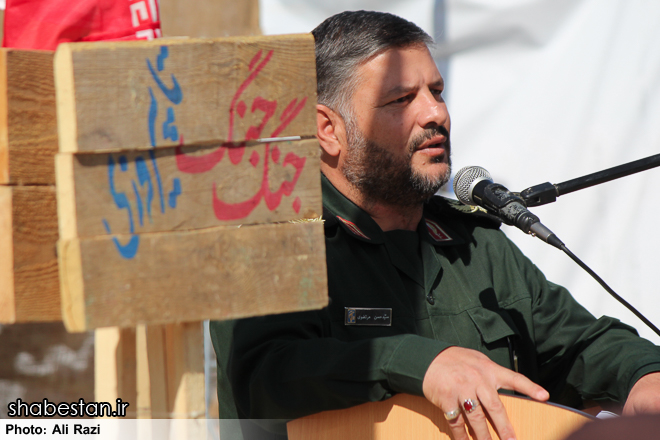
609,174
547,192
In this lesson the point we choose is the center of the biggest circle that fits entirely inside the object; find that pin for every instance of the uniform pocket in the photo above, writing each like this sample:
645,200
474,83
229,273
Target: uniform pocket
493,325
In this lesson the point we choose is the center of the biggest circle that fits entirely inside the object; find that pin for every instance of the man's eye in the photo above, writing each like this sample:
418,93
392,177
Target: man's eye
402,100
437,92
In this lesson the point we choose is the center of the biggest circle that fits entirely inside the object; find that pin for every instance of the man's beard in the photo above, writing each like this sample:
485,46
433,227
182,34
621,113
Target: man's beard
382,177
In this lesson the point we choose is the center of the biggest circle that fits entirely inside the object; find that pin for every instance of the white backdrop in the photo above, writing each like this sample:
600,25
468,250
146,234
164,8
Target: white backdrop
546,91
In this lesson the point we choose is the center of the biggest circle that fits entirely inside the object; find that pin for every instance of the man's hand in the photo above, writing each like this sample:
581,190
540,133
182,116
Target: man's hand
458,374
644,396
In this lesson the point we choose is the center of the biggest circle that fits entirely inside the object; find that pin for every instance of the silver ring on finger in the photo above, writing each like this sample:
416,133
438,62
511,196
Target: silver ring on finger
453,414
470,405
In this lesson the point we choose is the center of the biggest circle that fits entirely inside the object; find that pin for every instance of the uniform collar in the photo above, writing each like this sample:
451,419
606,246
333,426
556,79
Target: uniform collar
357,223
353,219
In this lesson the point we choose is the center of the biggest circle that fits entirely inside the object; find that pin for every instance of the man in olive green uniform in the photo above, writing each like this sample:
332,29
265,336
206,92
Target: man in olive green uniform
427,297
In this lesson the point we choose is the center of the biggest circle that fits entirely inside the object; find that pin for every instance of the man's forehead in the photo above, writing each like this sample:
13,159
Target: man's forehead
400,70
402,88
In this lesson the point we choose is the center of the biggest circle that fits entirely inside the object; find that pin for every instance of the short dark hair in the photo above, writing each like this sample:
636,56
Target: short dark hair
348,39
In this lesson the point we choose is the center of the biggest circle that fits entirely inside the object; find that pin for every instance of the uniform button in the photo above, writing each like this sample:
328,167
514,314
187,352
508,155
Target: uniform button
430,299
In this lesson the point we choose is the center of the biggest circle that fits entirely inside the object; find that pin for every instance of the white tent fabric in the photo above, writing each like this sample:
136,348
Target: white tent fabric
294,16
547,91
552,90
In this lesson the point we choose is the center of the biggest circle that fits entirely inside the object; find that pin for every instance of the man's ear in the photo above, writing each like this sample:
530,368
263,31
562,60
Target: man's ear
330,130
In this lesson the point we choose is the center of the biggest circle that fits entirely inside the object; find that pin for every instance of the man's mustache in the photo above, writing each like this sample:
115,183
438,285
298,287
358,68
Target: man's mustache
427,134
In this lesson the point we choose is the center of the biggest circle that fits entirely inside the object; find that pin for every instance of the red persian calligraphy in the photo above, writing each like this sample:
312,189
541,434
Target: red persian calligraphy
236,151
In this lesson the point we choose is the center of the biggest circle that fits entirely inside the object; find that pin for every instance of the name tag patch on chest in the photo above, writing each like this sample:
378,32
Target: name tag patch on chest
367,316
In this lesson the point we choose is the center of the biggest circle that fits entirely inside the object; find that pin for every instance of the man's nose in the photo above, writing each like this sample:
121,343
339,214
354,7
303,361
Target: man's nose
433,111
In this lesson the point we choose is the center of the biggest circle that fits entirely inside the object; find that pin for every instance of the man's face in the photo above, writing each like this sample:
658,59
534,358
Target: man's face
398,132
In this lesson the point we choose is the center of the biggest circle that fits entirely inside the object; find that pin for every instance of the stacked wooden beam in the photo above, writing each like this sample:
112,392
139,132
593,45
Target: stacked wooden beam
186,187
188,184
29,284
166,148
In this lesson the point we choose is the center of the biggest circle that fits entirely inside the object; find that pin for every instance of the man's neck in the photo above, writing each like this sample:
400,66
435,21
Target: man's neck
395,217
388,217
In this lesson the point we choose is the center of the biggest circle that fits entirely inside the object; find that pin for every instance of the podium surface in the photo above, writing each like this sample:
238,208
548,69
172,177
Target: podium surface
411,417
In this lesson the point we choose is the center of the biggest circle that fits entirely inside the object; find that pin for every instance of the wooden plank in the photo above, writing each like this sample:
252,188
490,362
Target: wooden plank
7,298
185,363
128,95
4,140
171,371
157,385
28,127
152,373
143,376
209,18
167,189
29,282
115,368
214,273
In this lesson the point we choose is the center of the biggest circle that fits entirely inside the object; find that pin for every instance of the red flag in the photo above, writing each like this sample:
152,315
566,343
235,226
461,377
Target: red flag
43,24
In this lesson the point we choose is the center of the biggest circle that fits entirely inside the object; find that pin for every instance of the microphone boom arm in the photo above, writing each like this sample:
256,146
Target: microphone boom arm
547,192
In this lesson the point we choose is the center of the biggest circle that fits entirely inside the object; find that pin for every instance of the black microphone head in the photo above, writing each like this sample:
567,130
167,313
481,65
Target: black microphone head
465,181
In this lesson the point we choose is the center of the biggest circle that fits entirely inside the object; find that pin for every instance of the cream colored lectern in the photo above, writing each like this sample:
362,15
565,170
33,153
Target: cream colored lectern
406,417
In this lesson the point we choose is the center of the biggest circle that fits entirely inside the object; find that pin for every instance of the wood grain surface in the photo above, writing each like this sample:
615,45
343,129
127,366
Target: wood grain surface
28,126
215,273
135,192
29,282
209,18
169,92
163,145
171,371
413,417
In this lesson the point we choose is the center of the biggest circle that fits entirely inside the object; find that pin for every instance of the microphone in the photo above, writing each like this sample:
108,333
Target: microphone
474,186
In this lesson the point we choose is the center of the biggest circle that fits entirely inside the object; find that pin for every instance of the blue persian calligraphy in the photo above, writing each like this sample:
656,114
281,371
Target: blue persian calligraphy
146,180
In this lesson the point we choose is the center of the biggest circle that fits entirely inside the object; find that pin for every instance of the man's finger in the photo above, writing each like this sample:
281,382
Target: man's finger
497,413
518,382
476,418
457,427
